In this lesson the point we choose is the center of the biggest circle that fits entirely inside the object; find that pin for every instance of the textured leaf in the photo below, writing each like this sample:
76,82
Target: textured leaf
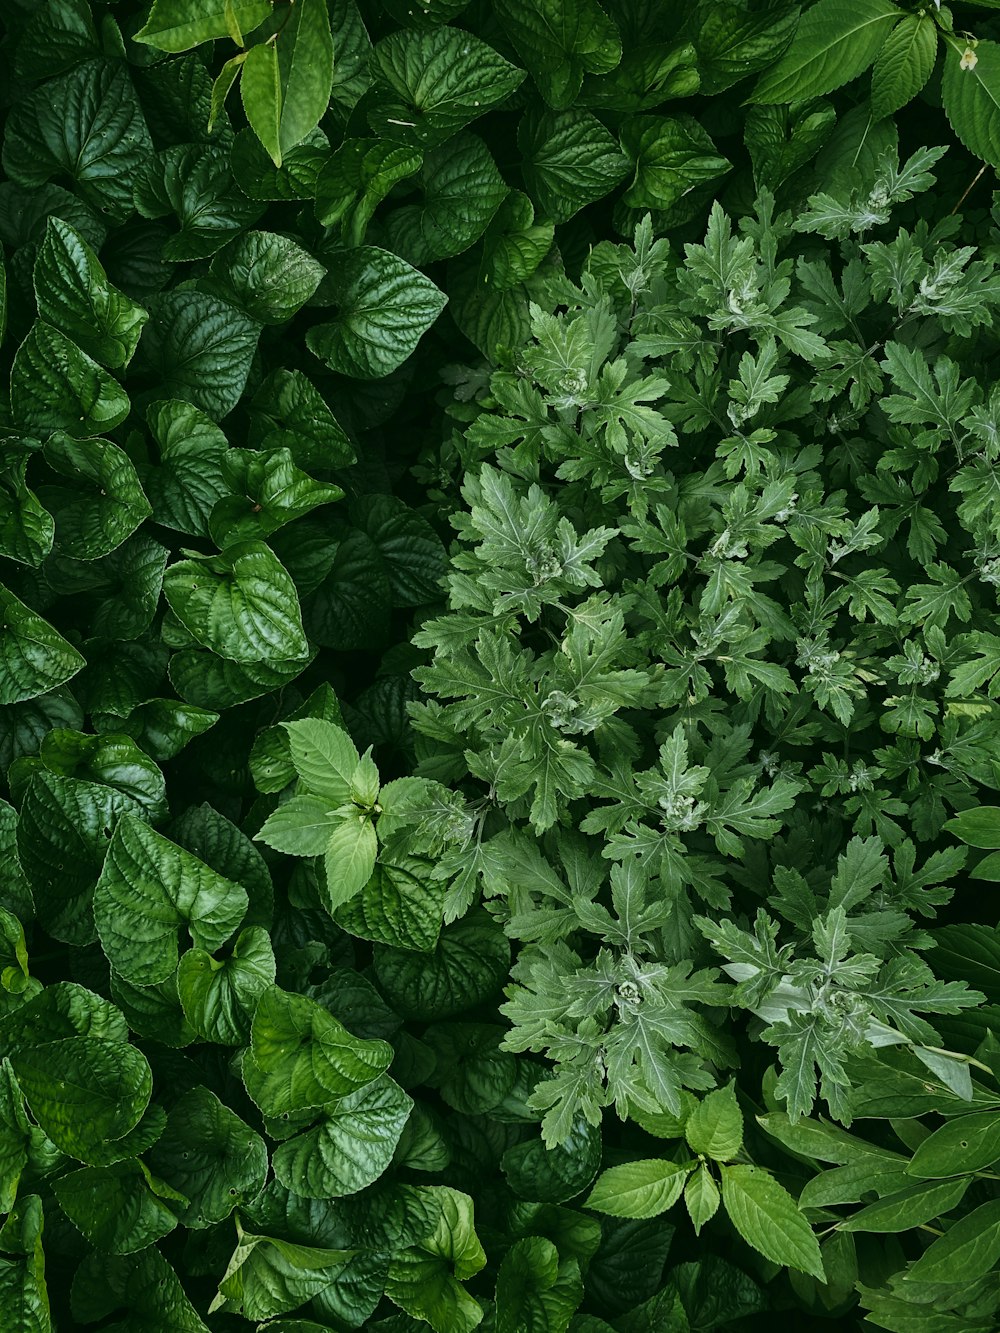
177,25
301,1057
971,95
560,41
267,276
54,386
570,160
34,658
466,967
199,349
114,1207
834,43
967,1250
149,887
903,65
73,294
100,504
219,998
383,309
638,1189
767,1218
210,1156
240,604
534,1290
286,84
350,1147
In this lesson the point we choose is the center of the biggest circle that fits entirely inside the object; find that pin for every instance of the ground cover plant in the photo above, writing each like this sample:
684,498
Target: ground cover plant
499,666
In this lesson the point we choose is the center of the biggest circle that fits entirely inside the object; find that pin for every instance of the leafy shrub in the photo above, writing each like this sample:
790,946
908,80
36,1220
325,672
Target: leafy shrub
375,956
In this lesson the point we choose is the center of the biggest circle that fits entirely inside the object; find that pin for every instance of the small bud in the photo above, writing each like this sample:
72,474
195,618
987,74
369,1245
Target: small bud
969,59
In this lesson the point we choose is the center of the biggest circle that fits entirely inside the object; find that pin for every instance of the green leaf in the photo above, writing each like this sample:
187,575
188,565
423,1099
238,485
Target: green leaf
569,160
301,826
268,491
86,125
461,189
148,888
267,276
101,502
73,294
240,604
296,178
34,658
979,826
732,41
967,1143
23,1292
904,64
908,1208
467,967
425,1279
349,859
199,349
286,82
400,905
114,1207
554,1174
384,307
350,1147
535,1290
836,40
164,726
670,157
715,1127
143,1285
560,41
355,180
187,481
428,85
970,91
412,553
639,1189
178,25
288,412
967,1250
210,1156
83,1091
219,998
27,529
324,757
115,761
194,184
301,1057
54,386
267,1276
701,1197
768,1219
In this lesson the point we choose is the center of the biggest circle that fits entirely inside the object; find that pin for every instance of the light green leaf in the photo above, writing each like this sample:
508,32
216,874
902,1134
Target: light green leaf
966,1251
267,276
286,81
210,1156
384,307
324,757
101,503
560,41
267,1276
149,887
904,64
349,859
55,386
302,825
350,1147
462,189
836,40
114,1207
301,1057
979,826
701,1197
569,160
240,604
429,84
768,1219
715,1127
219,998
178,25
199,349
970,91
34,658
73,294
83,1091
639,1189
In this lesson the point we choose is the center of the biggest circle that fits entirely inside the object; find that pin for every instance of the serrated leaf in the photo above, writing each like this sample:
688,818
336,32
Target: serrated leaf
768,1219
967,1250
970,91
569,160
178,25
267,276
101,502
903,65
114,1207
836,40
639,1189
715,1127
286,84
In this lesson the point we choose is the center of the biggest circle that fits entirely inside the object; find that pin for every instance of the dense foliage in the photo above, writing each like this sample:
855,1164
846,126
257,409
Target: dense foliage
499,666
